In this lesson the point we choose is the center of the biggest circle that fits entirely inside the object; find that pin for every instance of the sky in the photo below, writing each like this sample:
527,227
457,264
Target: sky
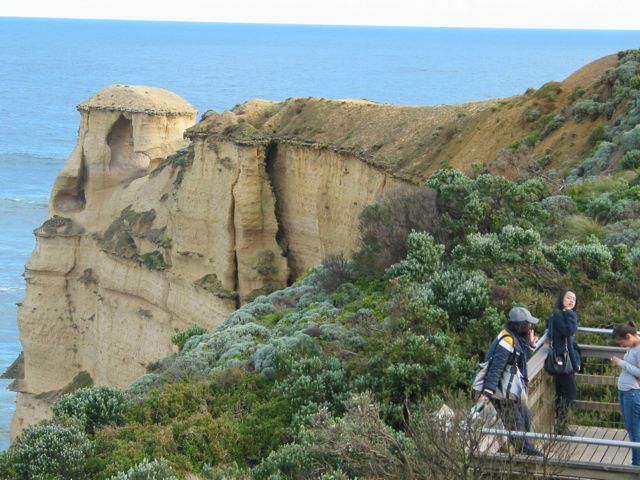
571,14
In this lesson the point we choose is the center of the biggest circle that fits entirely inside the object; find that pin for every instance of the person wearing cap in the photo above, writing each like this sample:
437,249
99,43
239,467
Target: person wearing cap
565,327
512,345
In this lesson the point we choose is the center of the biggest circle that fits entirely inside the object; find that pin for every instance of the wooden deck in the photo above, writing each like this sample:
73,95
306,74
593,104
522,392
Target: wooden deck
572,460
599,453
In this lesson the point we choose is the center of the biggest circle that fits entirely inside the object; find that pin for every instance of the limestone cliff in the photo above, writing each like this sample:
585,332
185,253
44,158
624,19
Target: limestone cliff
150,233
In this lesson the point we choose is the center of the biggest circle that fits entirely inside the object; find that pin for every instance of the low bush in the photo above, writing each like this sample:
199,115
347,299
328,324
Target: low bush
93,407
51,451
423,259
631,159
148,470
180,338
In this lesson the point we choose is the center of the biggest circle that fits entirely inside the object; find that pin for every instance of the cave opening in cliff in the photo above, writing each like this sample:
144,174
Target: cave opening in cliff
271,156
125,163
73,199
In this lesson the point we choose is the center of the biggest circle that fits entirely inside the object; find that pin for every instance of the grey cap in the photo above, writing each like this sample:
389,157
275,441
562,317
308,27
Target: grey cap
521,314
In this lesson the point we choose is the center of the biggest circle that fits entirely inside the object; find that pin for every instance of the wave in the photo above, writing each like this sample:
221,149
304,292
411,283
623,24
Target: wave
39,202
31,155
11,289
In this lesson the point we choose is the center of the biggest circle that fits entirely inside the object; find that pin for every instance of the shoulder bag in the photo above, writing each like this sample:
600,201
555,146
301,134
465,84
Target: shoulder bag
510,386
557,363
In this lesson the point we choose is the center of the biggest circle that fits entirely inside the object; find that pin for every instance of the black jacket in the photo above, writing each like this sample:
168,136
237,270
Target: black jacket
505,349
564,329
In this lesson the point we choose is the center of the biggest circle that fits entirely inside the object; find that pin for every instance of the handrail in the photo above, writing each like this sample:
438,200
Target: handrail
561,438
607,331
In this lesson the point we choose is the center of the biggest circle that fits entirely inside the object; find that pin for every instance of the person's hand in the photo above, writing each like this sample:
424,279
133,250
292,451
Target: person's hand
533,338
616,361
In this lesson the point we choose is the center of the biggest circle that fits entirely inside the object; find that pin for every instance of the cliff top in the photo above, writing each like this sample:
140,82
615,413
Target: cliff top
413,141
138,99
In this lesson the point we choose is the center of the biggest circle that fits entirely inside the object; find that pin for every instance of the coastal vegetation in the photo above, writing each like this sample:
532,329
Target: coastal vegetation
337,376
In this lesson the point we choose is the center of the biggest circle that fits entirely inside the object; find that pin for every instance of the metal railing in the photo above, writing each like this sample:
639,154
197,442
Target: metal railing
599,374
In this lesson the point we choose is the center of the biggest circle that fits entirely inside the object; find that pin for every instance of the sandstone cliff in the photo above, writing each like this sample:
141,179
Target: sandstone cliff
150,233
156,224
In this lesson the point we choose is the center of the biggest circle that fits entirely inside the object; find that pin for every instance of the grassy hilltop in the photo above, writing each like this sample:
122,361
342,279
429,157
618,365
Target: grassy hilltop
334,376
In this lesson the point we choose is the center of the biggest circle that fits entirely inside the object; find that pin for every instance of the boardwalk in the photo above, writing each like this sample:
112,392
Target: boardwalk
599,453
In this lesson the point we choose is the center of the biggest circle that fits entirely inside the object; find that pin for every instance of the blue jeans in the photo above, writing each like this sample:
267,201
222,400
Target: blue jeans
630,406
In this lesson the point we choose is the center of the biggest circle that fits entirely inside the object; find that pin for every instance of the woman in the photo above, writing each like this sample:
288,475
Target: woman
563,325
626,335
511,347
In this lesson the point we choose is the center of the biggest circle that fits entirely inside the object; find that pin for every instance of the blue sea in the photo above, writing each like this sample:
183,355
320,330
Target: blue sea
49,66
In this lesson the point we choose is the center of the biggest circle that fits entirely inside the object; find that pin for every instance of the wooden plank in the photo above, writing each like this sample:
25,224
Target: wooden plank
598,455
621,455
573,451
596,379
590,432
596,406
561,468
611,453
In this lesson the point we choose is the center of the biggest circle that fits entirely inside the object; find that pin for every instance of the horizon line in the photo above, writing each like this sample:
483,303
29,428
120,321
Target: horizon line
318,24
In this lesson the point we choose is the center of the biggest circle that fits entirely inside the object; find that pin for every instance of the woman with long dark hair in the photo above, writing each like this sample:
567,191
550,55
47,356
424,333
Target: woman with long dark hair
563,325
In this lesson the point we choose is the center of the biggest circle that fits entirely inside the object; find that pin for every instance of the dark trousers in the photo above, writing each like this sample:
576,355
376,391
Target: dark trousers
515,416
565,395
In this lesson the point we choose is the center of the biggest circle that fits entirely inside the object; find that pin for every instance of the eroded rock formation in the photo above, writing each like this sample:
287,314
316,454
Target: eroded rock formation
150,233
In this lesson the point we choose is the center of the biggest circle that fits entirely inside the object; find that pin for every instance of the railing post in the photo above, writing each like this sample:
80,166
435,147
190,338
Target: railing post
542,390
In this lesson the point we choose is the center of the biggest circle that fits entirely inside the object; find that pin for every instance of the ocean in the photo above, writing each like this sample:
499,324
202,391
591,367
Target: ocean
49,66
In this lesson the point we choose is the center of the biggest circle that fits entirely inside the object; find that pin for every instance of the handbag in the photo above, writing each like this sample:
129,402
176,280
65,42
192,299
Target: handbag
557,363
510,386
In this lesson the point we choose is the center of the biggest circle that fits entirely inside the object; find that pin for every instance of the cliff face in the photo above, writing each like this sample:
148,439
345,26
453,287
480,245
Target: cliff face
150,233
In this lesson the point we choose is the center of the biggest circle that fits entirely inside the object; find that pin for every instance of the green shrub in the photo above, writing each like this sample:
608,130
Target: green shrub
585,190
6,465
311,380
51,451
626,232
550,124
93,407
594,259
462,294
560,254
520,246
597,135
423,258
293,460
631,159
621,260
600,207
410,367
559,205
624,209
485,204
180,338
148,470
586,109
631,140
